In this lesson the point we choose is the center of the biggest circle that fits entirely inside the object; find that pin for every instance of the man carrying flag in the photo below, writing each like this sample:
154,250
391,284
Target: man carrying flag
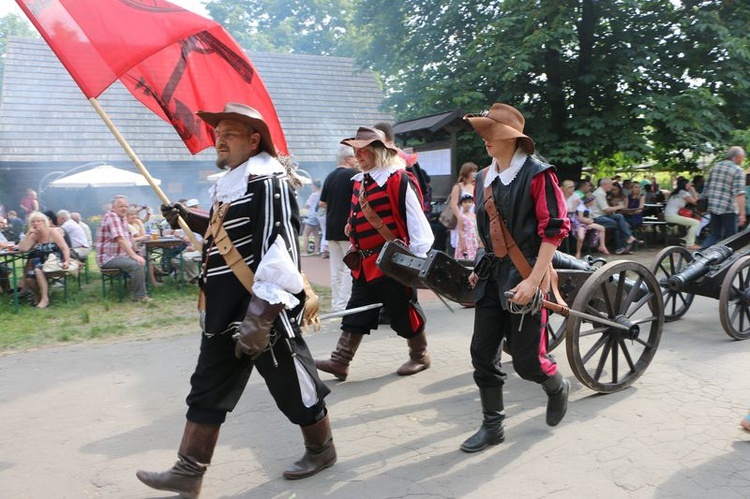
253,292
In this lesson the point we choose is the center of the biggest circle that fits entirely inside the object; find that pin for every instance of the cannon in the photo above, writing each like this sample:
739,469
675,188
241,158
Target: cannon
612,326
721,271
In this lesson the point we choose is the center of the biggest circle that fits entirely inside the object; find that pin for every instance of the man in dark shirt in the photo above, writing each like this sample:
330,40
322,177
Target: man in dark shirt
336,199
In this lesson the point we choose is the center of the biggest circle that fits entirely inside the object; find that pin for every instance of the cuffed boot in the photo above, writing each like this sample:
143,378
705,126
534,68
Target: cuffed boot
491,432
186,476
557,389
419,360
319,451
338,364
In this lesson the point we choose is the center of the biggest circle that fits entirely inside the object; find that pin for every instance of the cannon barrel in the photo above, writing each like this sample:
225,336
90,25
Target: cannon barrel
699,267
562,260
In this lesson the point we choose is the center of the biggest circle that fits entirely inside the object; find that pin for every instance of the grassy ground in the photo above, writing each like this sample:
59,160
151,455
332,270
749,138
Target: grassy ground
86,316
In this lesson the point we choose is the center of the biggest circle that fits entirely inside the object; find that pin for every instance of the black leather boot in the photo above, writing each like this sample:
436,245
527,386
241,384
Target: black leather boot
186,476
491,432
338,364
319,451
557,389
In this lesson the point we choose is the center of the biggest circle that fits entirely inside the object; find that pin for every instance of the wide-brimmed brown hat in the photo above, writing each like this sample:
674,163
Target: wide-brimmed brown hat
501,122
366,136
245,114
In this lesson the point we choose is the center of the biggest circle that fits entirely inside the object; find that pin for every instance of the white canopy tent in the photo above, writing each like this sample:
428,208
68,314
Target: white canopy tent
103,176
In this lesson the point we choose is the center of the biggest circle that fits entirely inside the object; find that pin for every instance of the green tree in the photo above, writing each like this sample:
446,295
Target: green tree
13,25
302,26
633,78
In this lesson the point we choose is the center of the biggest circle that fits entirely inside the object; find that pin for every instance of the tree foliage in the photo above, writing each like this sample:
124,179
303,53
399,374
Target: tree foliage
635,78
12,25
304,26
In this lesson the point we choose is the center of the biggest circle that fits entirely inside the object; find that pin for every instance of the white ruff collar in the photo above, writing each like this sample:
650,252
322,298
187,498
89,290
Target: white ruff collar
379,174
509,174
233,185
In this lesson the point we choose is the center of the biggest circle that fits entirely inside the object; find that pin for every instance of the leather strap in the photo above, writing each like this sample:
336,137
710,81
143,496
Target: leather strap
373,217
502,241
226,248
504,244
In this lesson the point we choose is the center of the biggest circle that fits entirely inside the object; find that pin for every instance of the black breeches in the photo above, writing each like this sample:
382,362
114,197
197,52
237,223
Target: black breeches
528,347
405,313
220,378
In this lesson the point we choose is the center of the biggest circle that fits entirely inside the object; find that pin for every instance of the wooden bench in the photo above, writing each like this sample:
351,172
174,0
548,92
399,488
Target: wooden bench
114,277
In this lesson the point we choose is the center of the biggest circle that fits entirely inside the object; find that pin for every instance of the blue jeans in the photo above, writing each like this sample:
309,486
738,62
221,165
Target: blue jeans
617,222
722,225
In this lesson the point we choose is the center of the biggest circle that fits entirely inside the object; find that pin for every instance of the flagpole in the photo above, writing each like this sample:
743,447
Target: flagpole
142,168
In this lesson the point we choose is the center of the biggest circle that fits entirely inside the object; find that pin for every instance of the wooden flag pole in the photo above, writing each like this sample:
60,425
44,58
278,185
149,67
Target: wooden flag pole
163,197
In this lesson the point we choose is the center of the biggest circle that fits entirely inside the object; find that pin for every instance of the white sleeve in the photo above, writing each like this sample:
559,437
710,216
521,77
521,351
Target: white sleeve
420,232
277,279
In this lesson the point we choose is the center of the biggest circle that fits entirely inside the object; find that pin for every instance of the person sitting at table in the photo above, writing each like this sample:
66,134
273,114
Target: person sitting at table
42,240
586,225
78,242
138,231
577,213
606,215
676,213
616,198
115,248
635,202
190,256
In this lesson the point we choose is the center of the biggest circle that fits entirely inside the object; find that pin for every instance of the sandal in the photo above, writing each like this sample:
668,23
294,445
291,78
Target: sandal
745,423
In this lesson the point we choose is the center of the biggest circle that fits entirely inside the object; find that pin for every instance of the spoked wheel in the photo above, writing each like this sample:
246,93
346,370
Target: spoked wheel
555,329
670,261
734,300
609,357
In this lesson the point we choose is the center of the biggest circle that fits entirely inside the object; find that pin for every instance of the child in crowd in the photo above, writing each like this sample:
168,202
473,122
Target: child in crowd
466,249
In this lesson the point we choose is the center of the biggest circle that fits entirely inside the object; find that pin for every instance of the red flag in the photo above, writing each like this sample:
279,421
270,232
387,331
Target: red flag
173,61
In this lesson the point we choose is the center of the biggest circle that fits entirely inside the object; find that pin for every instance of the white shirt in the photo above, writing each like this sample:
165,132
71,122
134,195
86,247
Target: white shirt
600,203
76,234
676,202
420,232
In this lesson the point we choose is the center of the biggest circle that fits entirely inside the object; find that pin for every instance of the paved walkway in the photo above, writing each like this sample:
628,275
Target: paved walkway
78,421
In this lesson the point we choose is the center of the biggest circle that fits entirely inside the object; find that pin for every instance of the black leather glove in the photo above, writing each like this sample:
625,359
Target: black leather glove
254,331
171,211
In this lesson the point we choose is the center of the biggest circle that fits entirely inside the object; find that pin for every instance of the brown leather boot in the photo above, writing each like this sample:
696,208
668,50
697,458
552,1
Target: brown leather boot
419,360
186,476
338,364
319,451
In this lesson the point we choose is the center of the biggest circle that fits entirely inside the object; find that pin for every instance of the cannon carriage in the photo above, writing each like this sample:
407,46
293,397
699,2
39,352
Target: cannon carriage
611,329
721,271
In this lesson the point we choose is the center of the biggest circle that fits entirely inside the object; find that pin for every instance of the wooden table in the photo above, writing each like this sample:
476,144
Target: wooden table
10,258
156,247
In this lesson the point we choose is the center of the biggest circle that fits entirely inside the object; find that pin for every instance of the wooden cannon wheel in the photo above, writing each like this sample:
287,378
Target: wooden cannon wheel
670,261
734,300
607,358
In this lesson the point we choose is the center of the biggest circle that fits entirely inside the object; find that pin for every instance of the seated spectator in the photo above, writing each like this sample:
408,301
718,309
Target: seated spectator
191,257
115,248
606,215
580,222
42,241
635,201
616,198
78,242
14,230
86,229
587,225
138,231
676,213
